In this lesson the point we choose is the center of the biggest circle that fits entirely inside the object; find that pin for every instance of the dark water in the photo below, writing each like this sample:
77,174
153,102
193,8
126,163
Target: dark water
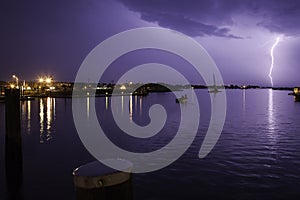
257,156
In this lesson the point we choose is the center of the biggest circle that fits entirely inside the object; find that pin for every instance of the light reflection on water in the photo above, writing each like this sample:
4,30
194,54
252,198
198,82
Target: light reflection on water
270,110
26,114
130,108
272,129
46,117
41,120
106,102
244,100
122,103
141,106
88,106
133,106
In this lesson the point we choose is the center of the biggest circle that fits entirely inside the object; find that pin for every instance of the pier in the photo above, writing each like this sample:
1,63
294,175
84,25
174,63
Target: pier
13,144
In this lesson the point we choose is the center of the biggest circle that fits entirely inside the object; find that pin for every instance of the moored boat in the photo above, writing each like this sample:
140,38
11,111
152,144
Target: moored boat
214,88
182,99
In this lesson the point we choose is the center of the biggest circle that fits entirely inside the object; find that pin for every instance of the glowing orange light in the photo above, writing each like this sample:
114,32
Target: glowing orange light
48,80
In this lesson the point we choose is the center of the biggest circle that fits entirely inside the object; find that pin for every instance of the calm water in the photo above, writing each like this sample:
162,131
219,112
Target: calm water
257,156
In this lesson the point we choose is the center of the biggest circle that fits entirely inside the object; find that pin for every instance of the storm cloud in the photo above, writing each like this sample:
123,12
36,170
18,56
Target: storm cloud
216,17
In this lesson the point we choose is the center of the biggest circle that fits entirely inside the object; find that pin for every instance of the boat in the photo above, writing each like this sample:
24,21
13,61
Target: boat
182,99
215,90
214,87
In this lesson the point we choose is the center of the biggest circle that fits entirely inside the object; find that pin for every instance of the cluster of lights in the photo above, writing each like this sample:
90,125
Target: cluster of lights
123,87
45,80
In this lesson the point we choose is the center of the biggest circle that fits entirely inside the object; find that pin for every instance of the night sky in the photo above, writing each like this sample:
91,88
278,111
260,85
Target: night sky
52,37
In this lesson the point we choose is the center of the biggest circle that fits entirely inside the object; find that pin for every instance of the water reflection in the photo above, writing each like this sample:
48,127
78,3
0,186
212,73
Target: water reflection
54,109
271,133
41,120
106,102
128,105
270,110
122,103
244,100
47,115
141,106
130,108
26,114
135,102
88,107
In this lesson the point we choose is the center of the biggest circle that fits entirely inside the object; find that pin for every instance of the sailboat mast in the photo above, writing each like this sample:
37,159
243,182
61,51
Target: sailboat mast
214,80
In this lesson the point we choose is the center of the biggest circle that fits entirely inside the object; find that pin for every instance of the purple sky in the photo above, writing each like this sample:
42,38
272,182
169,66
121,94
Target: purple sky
52,37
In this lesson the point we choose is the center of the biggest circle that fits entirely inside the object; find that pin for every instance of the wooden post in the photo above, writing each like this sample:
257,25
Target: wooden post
95,181
13,144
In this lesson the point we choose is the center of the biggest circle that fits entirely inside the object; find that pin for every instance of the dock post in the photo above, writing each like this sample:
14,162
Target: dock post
95,181
13,144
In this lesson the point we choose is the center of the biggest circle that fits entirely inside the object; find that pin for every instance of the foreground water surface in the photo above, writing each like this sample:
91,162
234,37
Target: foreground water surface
256,157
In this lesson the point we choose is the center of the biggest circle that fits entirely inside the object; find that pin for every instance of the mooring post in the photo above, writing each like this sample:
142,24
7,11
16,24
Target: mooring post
95,181
13,144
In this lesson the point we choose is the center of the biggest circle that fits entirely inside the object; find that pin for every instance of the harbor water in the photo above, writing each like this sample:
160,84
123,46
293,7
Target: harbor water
256,157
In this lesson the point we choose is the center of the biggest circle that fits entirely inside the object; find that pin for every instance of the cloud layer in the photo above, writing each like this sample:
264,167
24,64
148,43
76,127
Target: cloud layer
215,17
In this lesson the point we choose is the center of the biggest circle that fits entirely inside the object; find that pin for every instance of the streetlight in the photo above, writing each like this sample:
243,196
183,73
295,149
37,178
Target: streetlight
17,80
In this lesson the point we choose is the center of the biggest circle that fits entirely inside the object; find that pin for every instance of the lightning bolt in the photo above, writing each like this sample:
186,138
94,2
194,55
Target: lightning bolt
272,56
